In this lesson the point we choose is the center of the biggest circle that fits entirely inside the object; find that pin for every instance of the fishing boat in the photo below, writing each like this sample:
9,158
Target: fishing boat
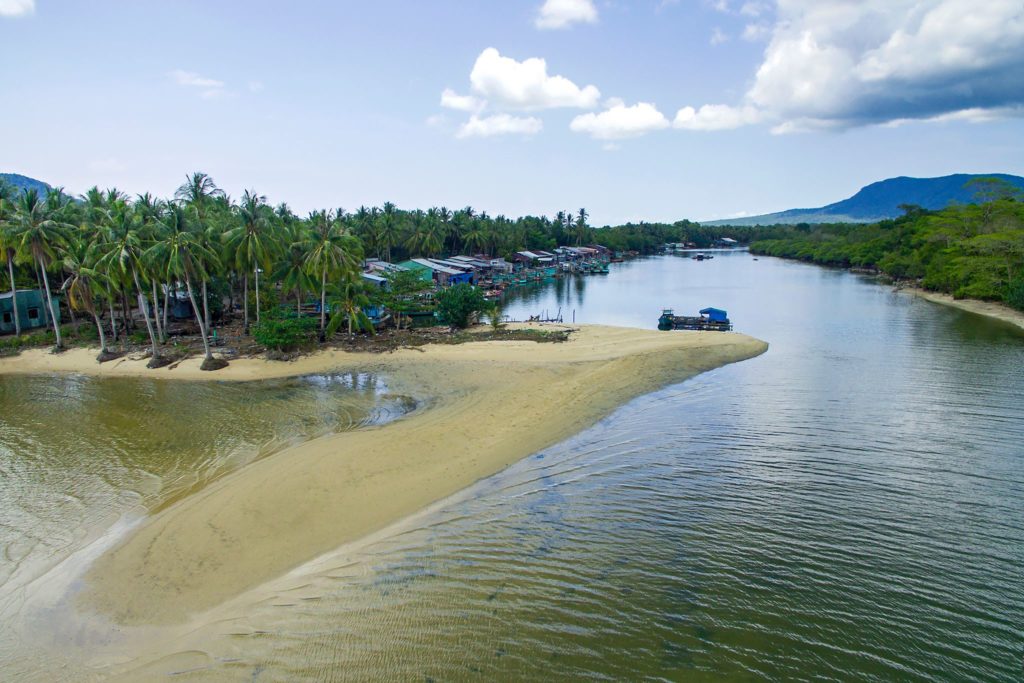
709,319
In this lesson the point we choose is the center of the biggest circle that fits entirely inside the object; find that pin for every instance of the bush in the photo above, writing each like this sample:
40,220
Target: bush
1015,294
458,304
283,331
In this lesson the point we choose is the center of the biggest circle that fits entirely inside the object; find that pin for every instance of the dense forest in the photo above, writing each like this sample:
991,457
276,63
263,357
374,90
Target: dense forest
112,257
967,250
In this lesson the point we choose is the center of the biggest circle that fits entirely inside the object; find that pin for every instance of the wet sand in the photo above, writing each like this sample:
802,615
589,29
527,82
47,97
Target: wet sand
484,406
990,309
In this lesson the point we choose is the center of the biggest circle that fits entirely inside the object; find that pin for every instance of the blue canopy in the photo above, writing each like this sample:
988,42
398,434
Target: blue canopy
716,314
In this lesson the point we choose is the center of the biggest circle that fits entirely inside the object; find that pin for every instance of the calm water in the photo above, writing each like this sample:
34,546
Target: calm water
848,506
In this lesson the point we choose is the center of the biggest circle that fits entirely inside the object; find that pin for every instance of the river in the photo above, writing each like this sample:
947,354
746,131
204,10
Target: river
848,506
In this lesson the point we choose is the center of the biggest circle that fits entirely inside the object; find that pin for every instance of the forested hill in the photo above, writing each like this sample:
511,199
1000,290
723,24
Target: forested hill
22,183
882,200
967,250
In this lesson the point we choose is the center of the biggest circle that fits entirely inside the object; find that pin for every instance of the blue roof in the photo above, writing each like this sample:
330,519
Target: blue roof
715,313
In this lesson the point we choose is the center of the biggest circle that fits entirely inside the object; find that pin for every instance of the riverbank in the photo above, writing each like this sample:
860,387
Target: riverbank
987,308
485,406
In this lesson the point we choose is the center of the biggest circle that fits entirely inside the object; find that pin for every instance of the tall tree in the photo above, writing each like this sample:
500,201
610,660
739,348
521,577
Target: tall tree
250,245
181,256
39,236
200,193
329,252
7,245
83,285
121,253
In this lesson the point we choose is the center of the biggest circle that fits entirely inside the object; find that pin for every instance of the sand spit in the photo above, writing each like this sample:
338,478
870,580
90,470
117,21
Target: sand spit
986,308
485,406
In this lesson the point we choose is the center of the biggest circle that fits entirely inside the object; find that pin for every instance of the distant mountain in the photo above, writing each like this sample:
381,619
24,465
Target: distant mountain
23,183
879,201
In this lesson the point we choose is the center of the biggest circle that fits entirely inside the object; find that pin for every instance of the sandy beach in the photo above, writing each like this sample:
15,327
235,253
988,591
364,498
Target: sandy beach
483,406
986,308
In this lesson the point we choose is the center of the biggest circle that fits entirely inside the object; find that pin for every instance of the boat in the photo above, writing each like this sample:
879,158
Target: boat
708,319
701,256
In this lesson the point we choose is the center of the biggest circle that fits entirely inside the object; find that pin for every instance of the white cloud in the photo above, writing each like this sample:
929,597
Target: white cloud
255,86
715,117
619,121
17,8
499,124
840,64
556,14
526,85
452,100
194,80
753,32
210,88
753,9
718,36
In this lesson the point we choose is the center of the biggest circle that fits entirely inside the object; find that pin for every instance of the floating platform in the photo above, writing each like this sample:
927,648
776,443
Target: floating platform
710,320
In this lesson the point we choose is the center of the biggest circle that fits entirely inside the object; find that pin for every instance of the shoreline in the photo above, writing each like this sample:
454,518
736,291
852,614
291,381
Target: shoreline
989,309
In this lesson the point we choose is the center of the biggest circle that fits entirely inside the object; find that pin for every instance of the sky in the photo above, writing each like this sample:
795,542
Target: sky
653,110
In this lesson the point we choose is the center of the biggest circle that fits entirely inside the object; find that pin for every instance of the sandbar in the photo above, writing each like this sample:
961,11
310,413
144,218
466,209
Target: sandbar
484,405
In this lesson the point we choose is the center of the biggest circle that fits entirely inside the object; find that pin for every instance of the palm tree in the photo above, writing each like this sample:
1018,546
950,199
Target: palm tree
292,271
83,284
349,300
387,228
121,253
199,192
39,236
329,251
7,245
251,244
181,256
581,226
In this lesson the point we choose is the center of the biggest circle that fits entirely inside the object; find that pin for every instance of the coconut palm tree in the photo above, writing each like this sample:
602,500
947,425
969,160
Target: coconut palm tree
181,256
347,304
387,228
121,250
83,285
200,194
7,245
39,237
581,226
292,271
329,252
250,245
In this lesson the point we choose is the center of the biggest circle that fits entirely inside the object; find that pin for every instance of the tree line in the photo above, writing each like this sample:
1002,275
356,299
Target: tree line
966,250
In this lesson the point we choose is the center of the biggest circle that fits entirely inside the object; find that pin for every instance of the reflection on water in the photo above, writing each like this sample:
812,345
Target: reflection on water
849,506
77,454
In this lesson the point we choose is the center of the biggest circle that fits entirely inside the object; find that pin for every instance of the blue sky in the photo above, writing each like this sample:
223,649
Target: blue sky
649,109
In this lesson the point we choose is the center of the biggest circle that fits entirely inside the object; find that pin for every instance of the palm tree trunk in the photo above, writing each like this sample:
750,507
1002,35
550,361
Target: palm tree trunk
206,306
144,307
199,319
156,316
14,294
99,328
167,296
113,321
39,284
49,304
323,304
256,275
350,324
126,312
298,303
245,302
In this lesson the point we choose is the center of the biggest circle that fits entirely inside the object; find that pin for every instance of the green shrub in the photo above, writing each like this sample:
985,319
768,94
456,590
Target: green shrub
458,304
283,331
1015,294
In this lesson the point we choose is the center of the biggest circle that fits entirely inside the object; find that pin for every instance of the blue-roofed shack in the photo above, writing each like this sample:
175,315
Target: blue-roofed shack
715,314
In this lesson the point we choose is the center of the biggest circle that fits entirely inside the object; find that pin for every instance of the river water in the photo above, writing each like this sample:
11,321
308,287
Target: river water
848,506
